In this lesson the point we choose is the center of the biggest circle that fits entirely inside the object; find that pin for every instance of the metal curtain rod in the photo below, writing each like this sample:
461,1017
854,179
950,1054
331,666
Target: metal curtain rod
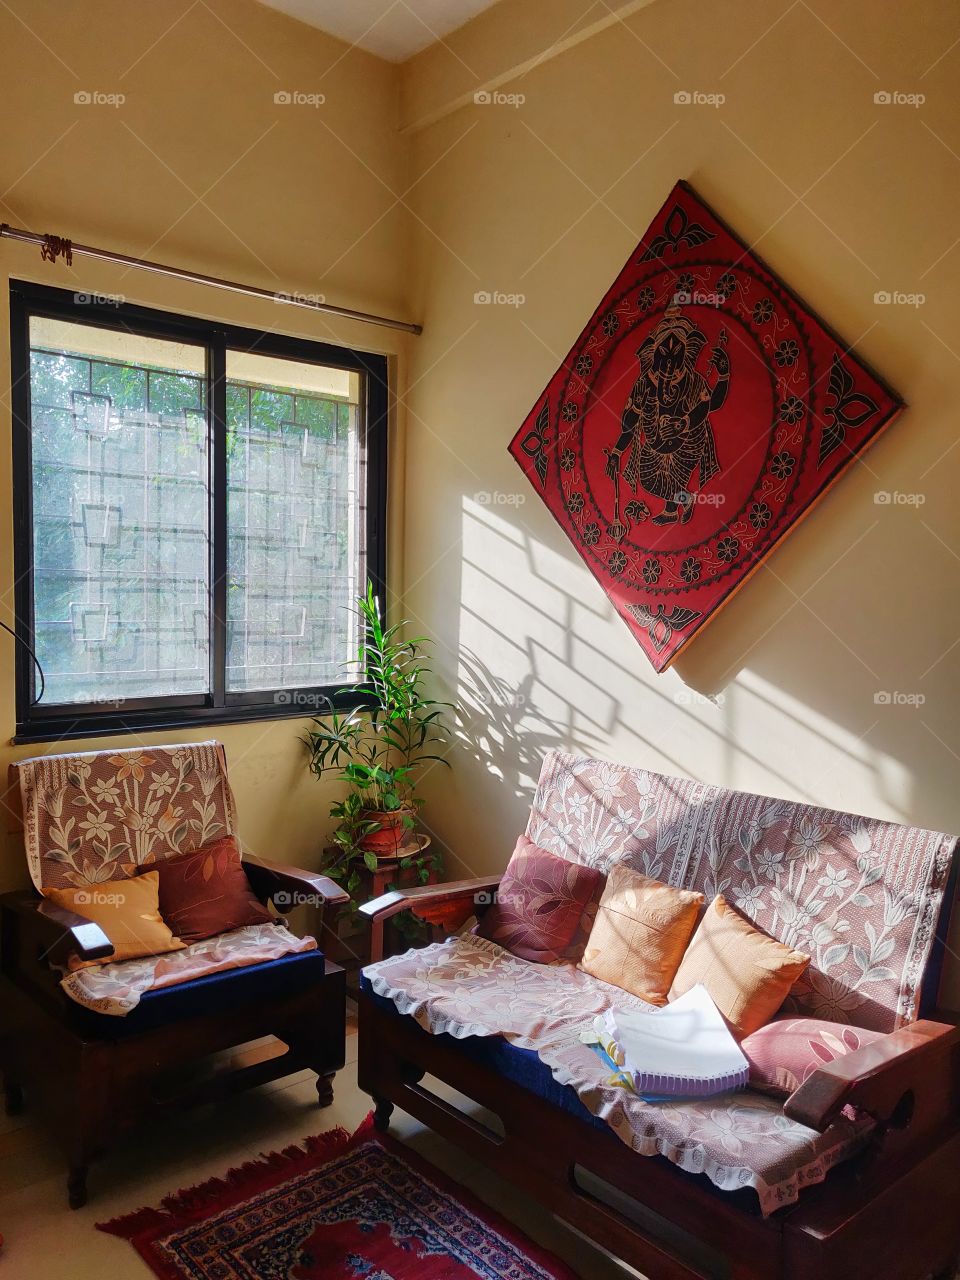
51,246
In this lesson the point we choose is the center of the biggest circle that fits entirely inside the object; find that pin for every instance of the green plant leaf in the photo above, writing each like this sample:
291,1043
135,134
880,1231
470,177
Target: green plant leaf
379,747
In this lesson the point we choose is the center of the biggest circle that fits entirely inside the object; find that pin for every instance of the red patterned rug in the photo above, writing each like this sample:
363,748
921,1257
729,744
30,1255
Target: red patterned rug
339,1207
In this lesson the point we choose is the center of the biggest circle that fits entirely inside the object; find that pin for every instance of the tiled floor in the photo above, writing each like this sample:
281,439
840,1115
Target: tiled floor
44,1240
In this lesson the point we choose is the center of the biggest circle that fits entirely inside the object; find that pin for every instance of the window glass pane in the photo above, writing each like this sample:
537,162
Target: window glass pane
120,513
295,554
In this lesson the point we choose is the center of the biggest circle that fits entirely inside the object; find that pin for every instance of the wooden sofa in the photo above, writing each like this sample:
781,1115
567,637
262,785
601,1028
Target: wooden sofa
889,1210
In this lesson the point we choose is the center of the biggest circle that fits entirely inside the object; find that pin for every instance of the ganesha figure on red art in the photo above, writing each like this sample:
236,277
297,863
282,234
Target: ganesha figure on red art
665,423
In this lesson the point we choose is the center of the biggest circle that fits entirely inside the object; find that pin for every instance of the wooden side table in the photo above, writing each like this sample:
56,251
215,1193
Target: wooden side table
389,873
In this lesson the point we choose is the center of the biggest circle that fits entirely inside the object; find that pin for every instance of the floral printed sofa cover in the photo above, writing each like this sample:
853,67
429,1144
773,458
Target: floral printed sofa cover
865,898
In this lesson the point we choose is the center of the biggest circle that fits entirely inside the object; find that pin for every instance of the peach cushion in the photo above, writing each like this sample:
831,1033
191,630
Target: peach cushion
640,933
747,973
127,911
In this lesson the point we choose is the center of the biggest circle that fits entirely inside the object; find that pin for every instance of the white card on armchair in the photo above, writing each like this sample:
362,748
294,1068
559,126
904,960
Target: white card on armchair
683,1050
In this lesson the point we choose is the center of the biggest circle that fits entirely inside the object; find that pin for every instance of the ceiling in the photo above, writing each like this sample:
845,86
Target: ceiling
392,29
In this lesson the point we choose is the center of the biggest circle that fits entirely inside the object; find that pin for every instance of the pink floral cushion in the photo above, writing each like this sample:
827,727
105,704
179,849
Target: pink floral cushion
785,1052
539,904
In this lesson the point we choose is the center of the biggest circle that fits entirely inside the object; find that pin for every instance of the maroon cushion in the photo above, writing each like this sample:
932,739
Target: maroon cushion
539,903
784,1052
207,891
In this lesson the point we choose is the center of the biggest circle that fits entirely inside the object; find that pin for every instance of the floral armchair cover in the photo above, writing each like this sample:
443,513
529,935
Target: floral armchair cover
100,815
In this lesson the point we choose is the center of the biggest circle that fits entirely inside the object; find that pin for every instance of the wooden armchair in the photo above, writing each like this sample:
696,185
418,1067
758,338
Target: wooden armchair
94,1074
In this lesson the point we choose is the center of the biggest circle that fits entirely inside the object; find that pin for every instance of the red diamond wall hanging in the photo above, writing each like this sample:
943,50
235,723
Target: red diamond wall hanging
700,414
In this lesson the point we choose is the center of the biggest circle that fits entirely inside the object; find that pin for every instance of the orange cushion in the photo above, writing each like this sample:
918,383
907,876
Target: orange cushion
640,933
127,911
747,973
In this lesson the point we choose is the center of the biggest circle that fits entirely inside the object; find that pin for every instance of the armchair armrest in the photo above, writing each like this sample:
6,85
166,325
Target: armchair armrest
448,904
291,886
55,930
915,1068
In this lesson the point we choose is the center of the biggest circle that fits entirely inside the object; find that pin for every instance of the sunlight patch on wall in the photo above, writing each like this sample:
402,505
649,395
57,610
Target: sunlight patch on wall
829,762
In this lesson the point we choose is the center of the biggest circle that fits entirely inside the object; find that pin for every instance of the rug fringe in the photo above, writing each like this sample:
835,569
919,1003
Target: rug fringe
220,1192
320,1144
131,1224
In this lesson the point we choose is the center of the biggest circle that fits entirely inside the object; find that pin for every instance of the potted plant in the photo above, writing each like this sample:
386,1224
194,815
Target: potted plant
380,747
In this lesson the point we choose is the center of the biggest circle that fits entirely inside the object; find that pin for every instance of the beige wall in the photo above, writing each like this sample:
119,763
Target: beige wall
200,168
844,198
546,199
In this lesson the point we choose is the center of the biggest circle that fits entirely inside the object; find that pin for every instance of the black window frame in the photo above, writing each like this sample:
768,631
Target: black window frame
39,723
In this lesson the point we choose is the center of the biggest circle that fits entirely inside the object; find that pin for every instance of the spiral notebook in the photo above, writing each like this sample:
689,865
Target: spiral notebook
683,1050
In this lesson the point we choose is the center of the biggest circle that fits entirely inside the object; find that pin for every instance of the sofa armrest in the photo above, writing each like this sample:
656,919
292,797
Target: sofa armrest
57,932
917,1067
448,904
291,886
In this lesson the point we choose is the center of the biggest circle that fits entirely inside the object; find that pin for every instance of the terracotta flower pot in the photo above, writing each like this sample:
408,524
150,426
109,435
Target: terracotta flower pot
389,836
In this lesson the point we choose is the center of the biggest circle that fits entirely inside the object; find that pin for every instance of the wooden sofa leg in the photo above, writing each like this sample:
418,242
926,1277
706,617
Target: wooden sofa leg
79,1155
90,1115
13,1097
382,1112
77,1186
324,1090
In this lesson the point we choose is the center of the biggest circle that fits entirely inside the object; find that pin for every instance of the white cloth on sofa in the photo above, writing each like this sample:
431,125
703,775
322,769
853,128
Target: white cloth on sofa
468,986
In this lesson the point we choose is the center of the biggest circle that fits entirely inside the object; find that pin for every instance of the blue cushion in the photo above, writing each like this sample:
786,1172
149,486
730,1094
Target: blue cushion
217,993
522,1067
